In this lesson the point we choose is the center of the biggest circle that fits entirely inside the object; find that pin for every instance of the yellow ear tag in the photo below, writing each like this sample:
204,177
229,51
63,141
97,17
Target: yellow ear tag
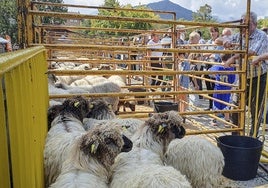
110,106
93,148
76,104
91,106
124,128
160,129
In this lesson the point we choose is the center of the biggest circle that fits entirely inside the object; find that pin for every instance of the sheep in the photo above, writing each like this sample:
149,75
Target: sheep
104,87
126,102
70,79
120,80
197,158
89,80
90,158
66,125
152,176
130,125
131,104
143,166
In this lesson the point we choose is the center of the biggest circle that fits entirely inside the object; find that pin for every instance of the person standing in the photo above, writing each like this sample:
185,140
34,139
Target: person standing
222,78
183,81
8,45
258,45
193,42
155,57
3,43
180,35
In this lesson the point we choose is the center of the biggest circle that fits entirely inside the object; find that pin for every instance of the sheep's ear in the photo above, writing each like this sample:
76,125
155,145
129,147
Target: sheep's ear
94,147
91,106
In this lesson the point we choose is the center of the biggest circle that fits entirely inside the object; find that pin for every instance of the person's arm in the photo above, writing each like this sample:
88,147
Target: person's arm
231,60
256,61
3,41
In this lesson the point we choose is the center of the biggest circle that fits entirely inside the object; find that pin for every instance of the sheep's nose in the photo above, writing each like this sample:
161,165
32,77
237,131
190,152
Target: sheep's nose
179,131
127,144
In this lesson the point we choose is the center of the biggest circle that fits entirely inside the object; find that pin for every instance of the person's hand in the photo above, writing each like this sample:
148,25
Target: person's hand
228,63
228,44
256,61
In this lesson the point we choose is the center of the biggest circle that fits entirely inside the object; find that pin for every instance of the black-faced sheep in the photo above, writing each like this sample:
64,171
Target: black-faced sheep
65,128
89,161
143,166
100,109
197,158
129,125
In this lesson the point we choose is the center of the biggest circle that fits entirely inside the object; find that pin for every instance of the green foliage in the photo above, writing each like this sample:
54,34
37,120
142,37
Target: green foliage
49,19
203,14
8,19
263,23
121,13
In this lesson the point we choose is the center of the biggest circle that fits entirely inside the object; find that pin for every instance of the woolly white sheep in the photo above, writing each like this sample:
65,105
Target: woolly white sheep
143,165
104,87
88,162
130,125
197,158
89,80
66,126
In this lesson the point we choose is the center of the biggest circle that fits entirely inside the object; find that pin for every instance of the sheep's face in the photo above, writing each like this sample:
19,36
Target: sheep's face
104,143
100,109
166,126
77,106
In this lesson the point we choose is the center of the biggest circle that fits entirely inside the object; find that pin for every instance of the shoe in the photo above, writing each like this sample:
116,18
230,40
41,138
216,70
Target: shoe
213,122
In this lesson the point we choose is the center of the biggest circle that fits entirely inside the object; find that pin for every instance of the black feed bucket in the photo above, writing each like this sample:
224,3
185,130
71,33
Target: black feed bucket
164,106
241,156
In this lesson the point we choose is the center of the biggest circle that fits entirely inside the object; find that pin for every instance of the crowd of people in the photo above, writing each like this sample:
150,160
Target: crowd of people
220,40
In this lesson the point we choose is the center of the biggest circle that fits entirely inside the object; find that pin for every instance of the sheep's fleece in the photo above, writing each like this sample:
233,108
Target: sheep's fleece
197,158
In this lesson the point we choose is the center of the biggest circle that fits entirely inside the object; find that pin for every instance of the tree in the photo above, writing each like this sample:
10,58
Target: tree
122,13
8,19
49,19
263,23
203,14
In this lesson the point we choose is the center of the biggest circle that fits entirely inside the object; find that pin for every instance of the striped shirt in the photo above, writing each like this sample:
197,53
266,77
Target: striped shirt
258,43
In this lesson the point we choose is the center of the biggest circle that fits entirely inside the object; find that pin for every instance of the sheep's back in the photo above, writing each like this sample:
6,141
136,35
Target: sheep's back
151,176
78,179
199,159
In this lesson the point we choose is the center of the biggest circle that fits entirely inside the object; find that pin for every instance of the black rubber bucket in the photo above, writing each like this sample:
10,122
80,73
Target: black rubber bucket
241,156
164,106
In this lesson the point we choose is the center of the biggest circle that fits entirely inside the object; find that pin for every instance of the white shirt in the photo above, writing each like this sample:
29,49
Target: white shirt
155,45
